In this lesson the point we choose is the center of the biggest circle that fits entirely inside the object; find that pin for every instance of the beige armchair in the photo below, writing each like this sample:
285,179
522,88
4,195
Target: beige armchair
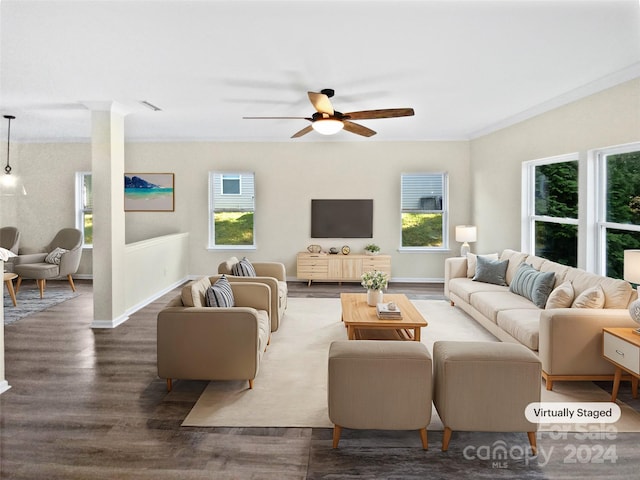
52,264
196,342
270,273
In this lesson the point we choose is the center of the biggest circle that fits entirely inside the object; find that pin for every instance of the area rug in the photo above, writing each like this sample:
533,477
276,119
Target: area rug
29,301
290,389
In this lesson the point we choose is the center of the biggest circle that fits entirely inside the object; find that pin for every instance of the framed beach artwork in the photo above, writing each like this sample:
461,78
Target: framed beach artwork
149,192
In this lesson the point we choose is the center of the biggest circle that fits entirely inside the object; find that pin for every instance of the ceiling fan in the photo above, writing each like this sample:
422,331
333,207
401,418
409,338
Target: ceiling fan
328,121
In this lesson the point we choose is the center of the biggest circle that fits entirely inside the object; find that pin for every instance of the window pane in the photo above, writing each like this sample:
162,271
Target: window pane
422,192
230,185
557,189
623,188
232,204
87,192
233,228
557,242
617,242
88,228
422,230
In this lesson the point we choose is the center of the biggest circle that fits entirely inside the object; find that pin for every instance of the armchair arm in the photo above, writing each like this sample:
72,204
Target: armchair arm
208,343
454,267
570,340
29,258
70,261
271,269
252,294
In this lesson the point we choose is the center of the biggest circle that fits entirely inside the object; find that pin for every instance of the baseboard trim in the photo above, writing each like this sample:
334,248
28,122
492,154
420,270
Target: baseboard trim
130,311
109,323
4,386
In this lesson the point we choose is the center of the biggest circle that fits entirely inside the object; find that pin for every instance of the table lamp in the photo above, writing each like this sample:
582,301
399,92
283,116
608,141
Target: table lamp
465,234
632,274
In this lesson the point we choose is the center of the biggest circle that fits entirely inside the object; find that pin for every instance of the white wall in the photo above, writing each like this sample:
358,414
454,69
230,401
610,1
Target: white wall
611,117
288,176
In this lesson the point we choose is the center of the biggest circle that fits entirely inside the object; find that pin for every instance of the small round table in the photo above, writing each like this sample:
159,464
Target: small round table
8,281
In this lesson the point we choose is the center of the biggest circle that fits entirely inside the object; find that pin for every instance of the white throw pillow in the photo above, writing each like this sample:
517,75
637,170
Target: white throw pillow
55,256
472,261
591,298
561,296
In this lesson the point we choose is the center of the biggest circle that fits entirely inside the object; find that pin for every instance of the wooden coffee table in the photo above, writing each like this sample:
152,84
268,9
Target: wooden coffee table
358,317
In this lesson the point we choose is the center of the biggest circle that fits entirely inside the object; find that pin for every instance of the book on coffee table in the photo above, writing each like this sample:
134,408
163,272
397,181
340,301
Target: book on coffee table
383,311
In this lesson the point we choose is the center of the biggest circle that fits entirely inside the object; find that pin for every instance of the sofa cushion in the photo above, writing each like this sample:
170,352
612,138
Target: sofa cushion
591,298
472,262
532,284
220,294
243,268
515,259
561,296
491,271
521,324
617,293
465,287
193,294
490,303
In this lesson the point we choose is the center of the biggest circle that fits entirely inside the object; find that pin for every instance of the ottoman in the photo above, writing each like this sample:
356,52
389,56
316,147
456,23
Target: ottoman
379,385
485,386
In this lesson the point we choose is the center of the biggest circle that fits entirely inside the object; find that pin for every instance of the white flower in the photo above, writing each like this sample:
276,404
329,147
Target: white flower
374,280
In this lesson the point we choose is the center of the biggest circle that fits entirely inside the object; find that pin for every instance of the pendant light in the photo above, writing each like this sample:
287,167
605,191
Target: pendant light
10,184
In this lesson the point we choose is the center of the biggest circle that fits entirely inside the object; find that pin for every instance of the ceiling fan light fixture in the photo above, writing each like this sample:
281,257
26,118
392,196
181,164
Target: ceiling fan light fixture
327,126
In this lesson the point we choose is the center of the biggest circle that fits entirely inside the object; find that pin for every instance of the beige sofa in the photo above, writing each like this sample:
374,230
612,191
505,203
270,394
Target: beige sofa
196,342
270,273
568,340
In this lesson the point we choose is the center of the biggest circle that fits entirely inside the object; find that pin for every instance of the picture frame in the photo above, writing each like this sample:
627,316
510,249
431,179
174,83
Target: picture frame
149,192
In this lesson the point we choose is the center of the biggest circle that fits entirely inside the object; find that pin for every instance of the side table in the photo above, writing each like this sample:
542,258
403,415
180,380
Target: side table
621,347
8,281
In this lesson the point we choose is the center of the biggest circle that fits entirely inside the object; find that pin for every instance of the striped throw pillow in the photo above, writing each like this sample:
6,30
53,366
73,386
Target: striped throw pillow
243,269
220,294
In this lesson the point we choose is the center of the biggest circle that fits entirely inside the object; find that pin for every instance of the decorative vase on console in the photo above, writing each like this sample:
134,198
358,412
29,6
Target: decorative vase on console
375,282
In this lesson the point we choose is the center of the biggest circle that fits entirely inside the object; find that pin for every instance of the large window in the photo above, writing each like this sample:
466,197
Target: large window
231,210
424,211
551,203
84,206
618,223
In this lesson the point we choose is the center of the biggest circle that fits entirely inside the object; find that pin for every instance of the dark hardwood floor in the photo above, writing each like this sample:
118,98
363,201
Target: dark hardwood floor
87,404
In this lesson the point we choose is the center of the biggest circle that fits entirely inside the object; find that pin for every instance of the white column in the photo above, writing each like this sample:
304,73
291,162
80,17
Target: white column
4,385
107,163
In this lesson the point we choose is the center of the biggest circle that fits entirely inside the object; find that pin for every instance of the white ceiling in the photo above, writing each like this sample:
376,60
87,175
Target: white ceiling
466,67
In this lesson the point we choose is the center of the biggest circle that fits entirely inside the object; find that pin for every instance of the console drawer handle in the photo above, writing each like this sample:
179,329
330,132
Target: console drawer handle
619,352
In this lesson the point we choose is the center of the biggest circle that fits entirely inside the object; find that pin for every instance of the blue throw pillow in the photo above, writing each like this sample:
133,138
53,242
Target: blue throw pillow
532,284
220,294
491,271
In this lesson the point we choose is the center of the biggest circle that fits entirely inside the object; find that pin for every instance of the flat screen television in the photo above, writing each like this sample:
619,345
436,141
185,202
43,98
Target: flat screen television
341,218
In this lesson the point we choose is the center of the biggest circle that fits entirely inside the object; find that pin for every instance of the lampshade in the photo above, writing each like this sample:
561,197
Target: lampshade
327,126
632,266
466,233
631,273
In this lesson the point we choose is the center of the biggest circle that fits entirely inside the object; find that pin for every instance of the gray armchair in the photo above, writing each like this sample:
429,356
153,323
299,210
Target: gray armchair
60,259
10,239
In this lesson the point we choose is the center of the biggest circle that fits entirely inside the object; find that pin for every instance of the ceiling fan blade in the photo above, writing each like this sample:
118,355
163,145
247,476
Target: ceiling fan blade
302,132
358,129
321,102
383,113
